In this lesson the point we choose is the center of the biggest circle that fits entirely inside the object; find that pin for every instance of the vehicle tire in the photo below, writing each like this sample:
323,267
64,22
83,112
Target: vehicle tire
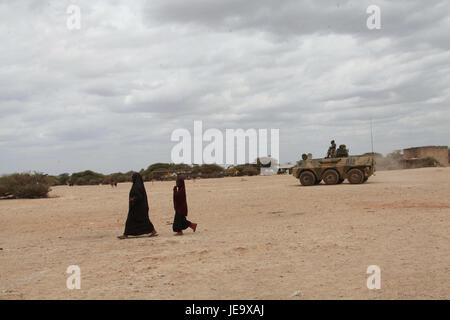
365,179
355,176
340,181
307,178
330,176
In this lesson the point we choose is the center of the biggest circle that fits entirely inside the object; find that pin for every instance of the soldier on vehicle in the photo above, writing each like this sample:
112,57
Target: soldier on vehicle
331,150
342,151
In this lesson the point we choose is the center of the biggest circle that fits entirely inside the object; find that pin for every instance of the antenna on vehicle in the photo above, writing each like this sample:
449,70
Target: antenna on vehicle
371,134
371,140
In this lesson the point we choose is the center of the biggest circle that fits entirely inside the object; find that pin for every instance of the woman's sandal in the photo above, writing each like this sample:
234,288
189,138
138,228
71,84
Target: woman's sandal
153,234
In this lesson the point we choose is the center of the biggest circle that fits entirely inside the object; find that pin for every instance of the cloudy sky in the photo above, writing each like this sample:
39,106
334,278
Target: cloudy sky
108,96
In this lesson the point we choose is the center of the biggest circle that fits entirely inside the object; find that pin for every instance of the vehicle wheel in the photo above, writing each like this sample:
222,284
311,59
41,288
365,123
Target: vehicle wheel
307,178
365,179
340,181
355,176
330,177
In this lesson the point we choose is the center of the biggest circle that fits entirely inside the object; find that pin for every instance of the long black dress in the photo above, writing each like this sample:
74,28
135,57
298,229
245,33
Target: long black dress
180,222
138,222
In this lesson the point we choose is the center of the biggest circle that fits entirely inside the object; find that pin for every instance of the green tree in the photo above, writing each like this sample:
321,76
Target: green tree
87,177
63,178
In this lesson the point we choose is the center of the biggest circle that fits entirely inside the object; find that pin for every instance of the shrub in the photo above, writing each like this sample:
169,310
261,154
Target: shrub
231,171
165,171
52,180
24,186
87,177
156,171
206,170
157,167
118,177
63,178
247,169
250,171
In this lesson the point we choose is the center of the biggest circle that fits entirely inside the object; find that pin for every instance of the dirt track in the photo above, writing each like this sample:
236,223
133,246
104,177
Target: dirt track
258,238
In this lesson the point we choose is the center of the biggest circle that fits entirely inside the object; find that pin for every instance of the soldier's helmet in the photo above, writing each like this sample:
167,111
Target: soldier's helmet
304,156
332,141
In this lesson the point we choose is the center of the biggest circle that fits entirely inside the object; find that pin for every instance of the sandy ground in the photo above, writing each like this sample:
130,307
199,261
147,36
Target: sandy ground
258,238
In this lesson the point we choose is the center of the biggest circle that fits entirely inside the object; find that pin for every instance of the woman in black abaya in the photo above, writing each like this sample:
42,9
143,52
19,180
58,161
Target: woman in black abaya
138,223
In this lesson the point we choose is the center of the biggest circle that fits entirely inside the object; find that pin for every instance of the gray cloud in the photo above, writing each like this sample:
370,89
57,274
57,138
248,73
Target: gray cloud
108,96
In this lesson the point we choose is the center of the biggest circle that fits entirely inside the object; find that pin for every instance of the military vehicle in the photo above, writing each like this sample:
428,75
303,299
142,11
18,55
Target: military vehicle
356,169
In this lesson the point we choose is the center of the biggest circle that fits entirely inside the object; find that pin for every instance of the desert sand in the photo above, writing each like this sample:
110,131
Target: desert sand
257,238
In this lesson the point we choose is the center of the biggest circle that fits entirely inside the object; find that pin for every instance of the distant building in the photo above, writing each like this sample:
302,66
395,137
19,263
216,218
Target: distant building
269,166
414,156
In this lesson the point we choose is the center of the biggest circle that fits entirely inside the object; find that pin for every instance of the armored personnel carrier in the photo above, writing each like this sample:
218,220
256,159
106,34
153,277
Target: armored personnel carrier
356,169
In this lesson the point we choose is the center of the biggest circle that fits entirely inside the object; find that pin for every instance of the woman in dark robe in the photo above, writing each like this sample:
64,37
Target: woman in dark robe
180,221
138,222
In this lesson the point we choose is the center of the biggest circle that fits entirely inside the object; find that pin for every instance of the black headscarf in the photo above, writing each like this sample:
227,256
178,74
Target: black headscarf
138,188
